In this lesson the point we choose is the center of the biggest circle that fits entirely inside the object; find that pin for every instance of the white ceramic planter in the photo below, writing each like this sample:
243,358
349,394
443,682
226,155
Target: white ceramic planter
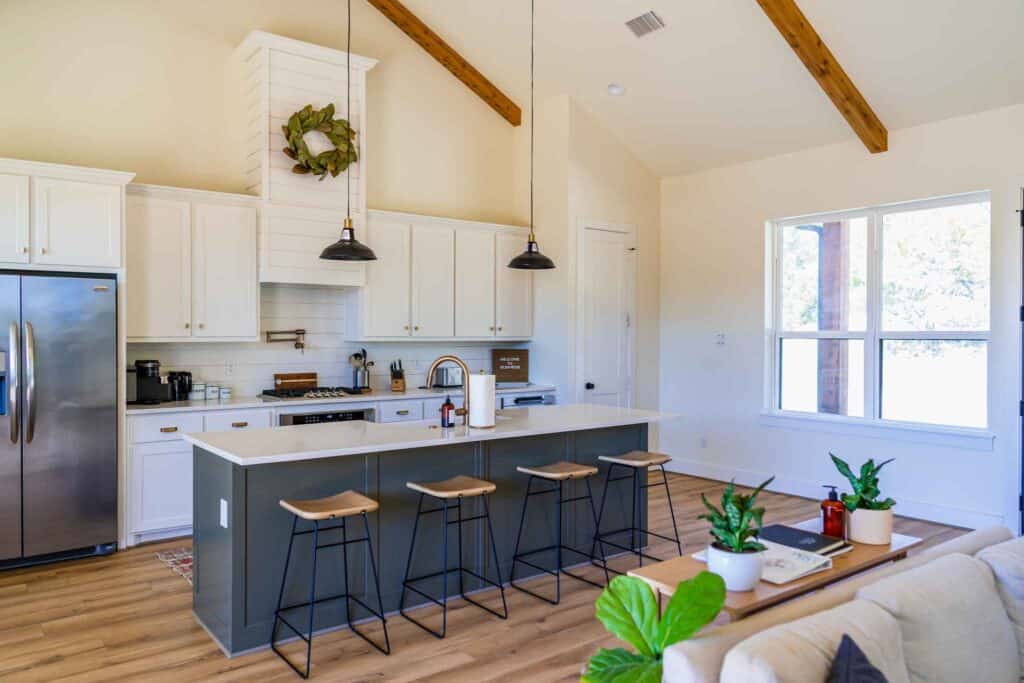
741,571
871,527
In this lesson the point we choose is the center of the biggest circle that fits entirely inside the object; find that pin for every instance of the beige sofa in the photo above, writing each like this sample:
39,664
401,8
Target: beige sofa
955,605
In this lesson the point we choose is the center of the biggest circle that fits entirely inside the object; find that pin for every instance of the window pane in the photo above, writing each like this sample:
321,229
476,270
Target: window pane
935,268
938,382
824,275
822,376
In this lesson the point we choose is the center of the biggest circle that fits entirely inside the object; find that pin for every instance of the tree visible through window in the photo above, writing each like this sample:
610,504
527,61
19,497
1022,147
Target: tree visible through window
884,313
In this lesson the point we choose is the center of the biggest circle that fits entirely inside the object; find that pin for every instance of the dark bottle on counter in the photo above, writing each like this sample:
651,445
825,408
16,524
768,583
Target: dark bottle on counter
833,515
447,411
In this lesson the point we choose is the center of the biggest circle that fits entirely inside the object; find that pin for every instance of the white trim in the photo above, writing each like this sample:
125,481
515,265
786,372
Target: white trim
41,169
256,40
577,376
169,192
404,217
937,435
943,514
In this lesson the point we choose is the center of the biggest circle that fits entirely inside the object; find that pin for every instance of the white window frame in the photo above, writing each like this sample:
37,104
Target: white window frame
872,424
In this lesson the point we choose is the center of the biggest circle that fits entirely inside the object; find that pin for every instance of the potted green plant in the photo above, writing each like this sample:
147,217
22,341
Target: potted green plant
869,520
735,554
629,610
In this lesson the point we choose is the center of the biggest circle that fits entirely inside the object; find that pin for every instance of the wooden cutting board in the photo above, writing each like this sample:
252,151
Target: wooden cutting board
295,380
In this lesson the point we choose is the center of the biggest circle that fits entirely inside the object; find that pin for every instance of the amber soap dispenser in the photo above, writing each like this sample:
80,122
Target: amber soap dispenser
833,515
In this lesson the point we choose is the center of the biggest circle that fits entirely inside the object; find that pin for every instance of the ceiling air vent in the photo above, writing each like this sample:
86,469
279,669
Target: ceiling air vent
648,22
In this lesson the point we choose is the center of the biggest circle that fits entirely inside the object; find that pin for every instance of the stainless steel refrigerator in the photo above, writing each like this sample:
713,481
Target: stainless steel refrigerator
58,416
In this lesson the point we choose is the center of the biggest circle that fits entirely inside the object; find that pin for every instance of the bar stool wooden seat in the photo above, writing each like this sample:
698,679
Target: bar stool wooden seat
556,474
637,463
451,493
339,507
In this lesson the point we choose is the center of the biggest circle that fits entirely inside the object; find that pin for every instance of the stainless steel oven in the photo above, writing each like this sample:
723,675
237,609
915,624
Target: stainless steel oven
525,400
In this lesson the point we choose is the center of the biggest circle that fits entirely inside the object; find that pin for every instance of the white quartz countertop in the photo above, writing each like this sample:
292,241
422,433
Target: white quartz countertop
327,440
412,394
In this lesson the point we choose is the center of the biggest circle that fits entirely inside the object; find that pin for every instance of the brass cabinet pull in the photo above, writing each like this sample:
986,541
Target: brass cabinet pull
401,412
239,425
168,430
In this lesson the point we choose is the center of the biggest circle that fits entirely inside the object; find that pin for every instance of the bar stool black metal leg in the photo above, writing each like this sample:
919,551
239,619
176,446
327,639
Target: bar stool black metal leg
635,532
380,601
458,526
597,537
600,516
671,510
284,579
344,572
497,562
408,560
519,535
558,543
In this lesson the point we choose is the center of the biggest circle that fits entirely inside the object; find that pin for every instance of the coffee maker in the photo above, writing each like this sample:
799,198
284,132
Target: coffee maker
148,390
180,385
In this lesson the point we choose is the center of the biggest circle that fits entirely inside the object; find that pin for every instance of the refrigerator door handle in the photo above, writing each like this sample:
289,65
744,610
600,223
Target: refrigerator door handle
30,381
13,381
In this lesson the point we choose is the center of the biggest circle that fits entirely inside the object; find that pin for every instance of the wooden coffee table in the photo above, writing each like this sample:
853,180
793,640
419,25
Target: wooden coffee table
663,577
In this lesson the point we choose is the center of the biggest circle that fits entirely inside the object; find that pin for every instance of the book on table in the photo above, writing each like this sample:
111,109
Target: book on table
800,539
783,564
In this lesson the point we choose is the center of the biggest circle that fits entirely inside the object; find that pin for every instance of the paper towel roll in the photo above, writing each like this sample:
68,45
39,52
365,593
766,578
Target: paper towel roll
481,400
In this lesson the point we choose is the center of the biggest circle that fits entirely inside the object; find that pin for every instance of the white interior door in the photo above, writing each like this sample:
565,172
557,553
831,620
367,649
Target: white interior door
159,268
474,283
225,294
387,280
605,293
433,281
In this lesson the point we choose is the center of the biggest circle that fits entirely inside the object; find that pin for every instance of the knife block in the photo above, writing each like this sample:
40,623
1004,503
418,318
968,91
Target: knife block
398,386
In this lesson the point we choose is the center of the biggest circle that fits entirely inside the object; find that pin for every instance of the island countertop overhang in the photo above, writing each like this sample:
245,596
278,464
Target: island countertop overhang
311,442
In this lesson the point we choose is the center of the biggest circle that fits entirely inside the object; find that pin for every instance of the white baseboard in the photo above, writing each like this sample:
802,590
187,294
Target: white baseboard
136,538
942,514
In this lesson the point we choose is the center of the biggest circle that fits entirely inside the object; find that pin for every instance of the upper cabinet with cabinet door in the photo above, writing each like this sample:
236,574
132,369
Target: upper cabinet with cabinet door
192,266
76,217
441,279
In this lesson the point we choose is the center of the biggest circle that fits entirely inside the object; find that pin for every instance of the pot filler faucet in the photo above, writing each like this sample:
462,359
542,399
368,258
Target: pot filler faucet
464,410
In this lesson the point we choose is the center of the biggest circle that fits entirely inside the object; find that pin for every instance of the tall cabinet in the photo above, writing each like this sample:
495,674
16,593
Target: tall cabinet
441,279
192,266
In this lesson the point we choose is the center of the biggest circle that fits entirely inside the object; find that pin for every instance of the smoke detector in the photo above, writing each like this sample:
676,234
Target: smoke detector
648,22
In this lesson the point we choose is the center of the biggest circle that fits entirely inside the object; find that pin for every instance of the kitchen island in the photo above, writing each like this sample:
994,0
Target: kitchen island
241,533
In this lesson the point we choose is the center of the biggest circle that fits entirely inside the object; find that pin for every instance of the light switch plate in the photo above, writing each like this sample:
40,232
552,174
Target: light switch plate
223,513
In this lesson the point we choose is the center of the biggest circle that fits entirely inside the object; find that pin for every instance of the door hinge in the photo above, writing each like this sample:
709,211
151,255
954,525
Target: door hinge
1022,409
1020,503
629,322
1022,314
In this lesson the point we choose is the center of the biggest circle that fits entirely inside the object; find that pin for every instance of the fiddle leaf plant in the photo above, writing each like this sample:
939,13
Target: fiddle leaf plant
629,610
735,526
865,486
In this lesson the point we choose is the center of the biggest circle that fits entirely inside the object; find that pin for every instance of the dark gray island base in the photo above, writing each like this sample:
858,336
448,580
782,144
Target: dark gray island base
238,567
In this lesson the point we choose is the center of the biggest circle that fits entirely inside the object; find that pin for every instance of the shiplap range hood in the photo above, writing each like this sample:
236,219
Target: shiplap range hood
300,214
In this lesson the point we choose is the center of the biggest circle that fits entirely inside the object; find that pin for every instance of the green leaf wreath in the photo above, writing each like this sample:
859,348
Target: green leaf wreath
338,131
629,610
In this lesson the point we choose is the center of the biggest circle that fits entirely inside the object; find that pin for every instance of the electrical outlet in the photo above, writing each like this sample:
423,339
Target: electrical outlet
720,339
229,369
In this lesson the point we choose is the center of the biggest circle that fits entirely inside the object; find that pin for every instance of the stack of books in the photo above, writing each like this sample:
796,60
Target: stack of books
794,553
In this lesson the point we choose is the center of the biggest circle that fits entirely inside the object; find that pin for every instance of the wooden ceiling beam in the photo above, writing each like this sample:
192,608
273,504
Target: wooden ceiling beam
411,25
822,64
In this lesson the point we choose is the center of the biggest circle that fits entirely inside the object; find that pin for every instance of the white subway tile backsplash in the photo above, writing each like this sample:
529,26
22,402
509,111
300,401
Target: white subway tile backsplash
248,368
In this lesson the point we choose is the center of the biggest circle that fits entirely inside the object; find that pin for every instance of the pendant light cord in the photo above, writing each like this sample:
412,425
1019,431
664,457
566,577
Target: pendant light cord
532,22
348,112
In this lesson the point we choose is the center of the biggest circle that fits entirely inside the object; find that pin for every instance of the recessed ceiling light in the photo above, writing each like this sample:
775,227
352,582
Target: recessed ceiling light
616,89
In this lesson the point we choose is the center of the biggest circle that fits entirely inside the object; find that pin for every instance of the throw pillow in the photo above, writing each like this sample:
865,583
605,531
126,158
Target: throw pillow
851,665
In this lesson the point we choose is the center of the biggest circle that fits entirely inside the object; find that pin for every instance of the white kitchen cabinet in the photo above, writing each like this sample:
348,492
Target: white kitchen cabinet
161,483
14,240
192,266
513,308
159,293
76,223
440,279
474,283
433,281
388,306
225,282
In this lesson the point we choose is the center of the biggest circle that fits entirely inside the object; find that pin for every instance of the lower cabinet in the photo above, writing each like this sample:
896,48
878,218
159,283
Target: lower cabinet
161,488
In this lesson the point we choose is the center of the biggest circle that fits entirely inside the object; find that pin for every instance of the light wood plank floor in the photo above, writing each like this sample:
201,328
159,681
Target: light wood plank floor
128,617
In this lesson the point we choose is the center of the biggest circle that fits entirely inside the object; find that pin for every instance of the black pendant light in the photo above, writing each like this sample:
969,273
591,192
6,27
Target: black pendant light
348,248
531,259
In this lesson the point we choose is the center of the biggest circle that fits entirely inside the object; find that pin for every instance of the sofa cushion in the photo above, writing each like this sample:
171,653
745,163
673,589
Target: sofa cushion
1006,561
803,650
951,620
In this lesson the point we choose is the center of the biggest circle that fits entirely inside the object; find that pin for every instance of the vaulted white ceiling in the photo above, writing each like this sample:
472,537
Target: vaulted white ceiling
719,85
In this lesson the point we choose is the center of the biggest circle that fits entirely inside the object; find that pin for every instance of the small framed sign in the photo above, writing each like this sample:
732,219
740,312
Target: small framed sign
511,365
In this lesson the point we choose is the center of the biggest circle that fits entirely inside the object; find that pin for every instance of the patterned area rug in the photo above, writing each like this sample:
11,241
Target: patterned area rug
179,560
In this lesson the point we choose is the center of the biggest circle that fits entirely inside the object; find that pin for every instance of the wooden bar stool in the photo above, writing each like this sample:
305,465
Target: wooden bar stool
454,489
340,506
636,462
558,473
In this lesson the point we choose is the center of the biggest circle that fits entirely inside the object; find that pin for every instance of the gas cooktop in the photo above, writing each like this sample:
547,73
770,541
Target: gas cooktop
318,392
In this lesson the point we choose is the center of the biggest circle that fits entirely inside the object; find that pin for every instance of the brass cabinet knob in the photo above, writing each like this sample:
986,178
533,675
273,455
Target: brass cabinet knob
405,327
500,329
416,328
42,250
24,250
187,326
492,328
201,326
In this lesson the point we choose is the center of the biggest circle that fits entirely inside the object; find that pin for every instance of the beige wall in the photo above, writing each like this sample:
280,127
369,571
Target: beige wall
712,281
138,85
